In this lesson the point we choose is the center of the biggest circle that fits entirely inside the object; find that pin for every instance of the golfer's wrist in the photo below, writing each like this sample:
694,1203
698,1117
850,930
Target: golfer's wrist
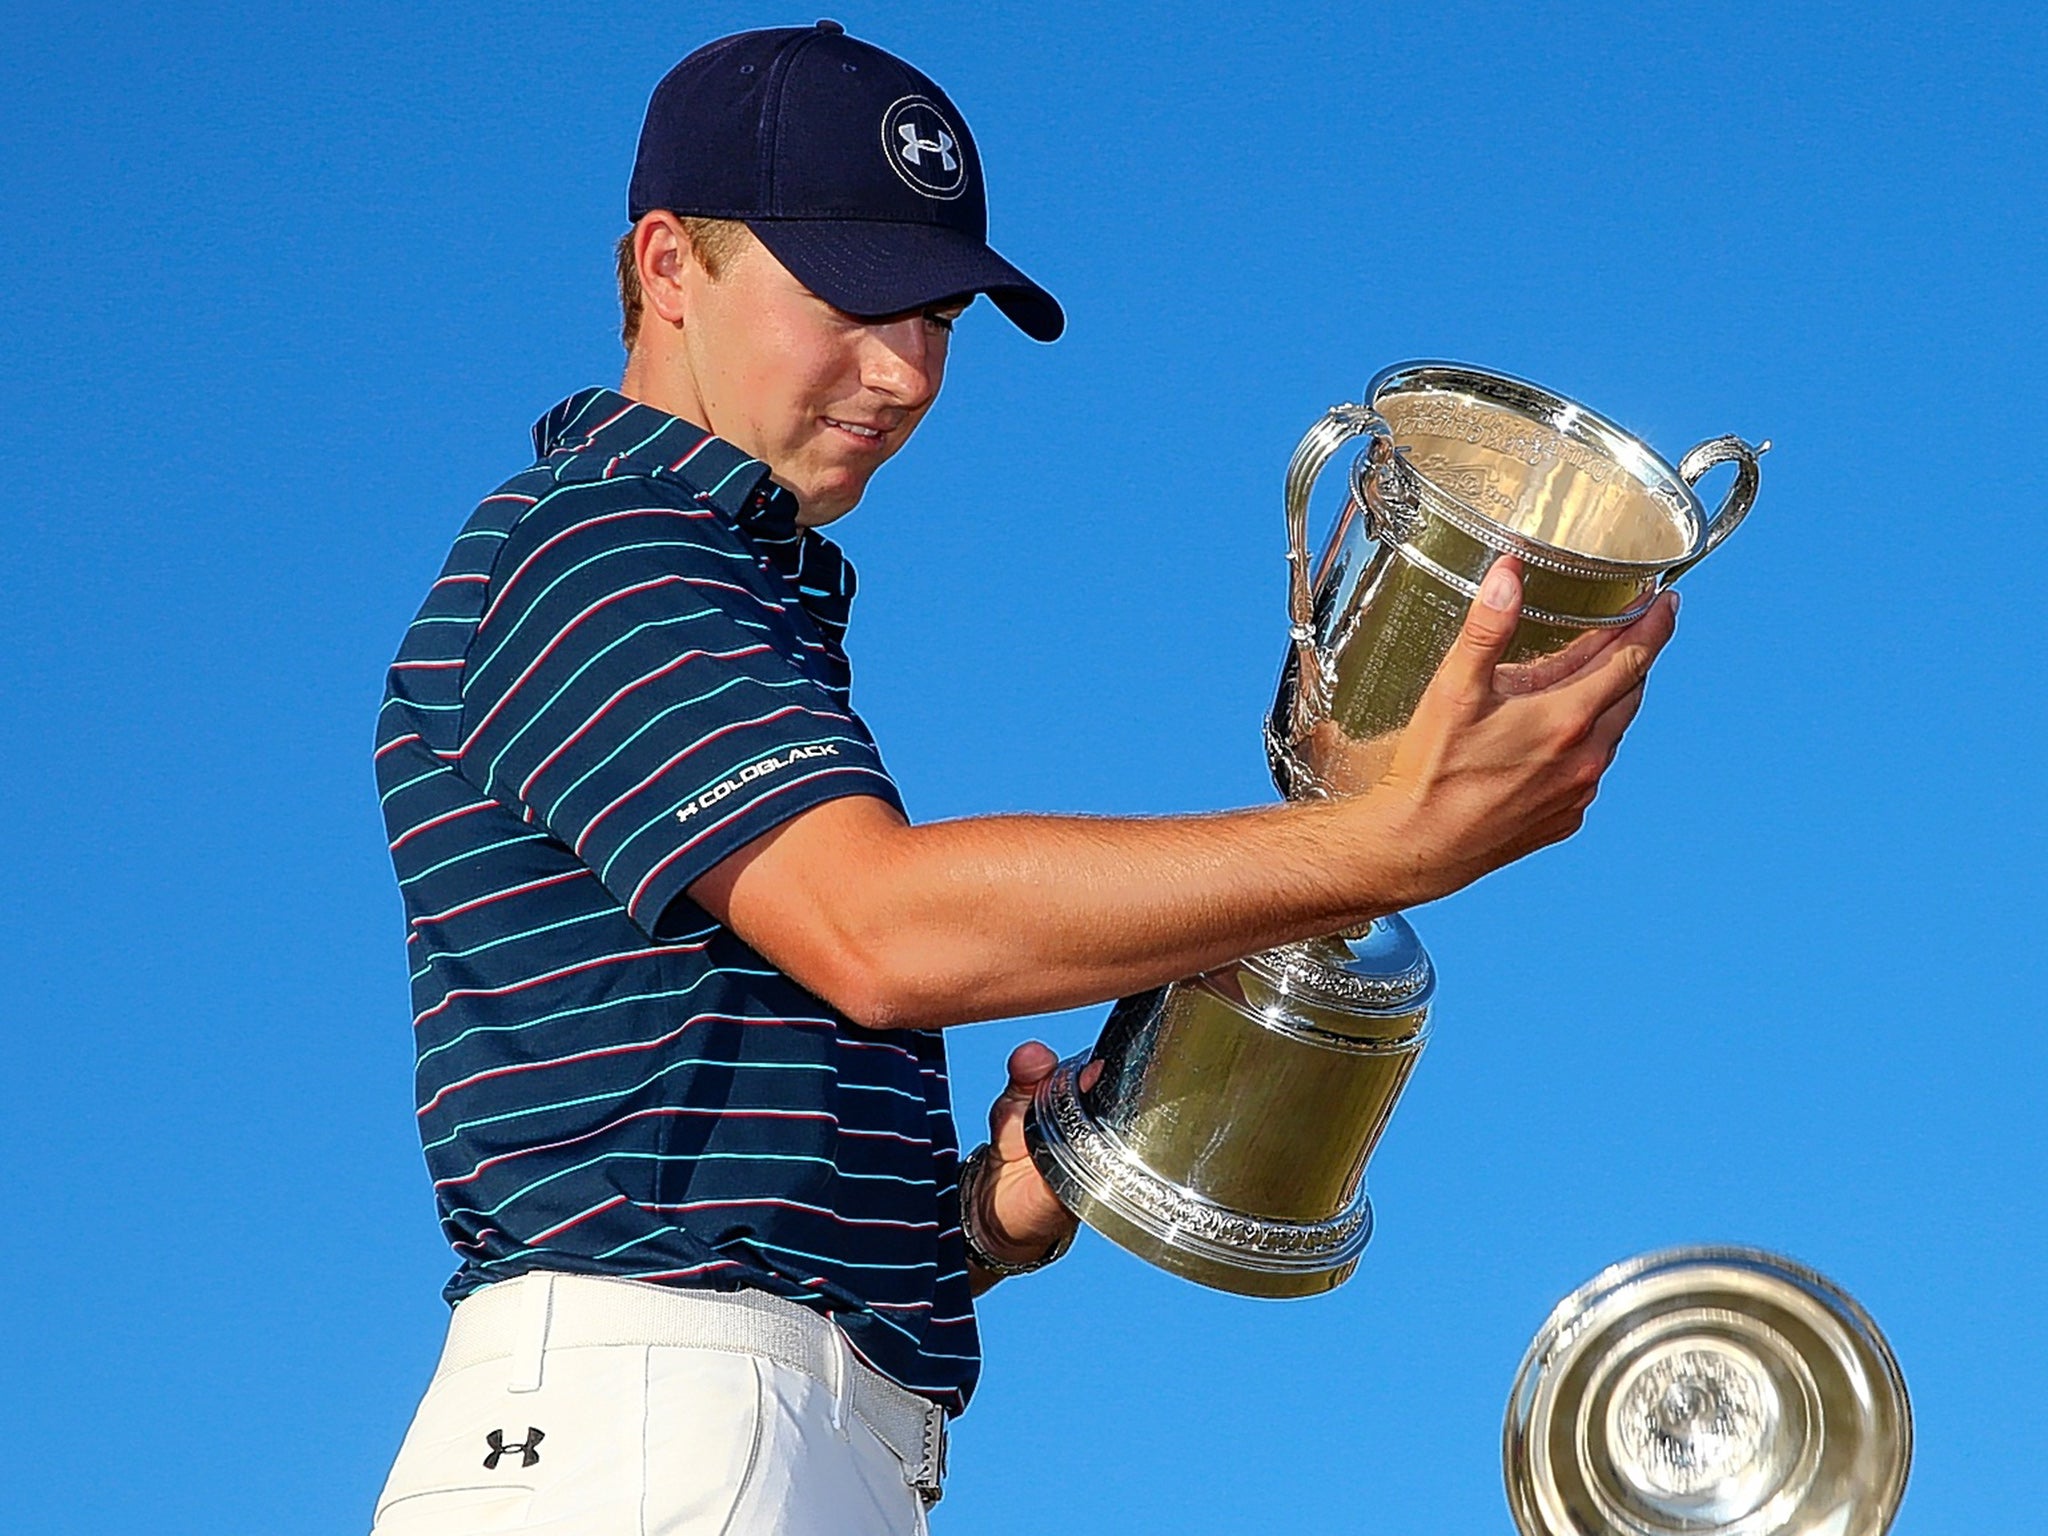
1380,855
992,1246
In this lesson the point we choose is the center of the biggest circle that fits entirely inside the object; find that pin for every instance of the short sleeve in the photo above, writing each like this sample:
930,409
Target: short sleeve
648,691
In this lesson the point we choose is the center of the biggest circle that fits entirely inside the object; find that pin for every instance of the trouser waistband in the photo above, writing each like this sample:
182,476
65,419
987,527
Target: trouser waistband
520,1320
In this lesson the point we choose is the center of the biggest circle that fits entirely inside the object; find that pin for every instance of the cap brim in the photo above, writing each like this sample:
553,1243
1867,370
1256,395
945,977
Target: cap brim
870,268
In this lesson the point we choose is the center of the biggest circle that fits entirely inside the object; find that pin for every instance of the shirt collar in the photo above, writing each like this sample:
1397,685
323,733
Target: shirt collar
597,434
607,434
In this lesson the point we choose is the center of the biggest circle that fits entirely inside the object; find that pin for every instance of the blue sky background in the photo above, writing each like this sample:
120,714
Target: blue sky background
283,288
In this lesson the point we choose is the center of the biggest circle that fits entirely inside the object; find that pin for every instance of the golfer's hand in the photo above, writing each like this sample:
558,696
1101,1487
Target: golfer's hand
1020,1218
1500,760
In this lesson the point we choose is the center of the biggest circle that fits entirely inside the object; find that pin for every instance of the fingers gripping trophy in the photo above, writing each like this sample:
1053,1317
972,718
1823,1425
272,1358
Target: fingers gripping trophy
1220,1127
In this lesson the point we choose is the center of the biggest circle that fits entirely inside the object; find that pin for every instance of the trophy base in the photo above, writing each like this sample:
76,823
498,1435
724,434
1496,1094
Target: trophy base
1103,1183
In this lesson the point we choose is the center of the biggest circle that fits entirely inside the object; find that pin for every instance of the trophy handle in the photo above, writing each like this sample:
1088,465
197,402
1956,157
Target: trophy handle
1741,495
1341,423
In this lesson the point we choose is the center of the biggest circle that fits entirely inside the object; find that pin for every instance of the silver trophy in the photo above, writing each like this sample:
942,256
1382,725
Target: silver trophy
1227,1134
1707,1392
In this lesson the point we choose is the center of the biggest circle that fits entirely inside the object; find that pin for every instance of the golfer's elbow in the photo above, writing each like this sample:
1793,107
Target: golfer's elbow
887,980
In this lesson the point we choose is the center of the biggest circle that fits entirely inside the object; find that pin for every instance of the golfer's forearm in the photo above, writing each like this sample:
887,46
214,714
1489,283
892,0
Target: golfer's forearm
992,917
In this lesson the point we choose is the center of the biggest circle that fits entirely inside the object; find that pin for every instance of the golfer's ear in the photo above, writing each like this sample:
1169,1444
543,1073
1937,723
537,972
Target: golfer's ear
662,253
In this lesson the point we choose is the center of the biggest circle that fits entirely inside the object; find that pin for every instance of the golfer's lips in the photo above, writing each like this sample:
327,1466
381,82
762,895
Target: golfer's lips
860,431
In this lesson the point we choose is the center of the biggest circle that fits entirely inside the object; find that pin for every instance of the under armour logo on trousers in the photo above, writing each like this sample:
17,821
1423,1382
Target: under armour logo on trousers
528,1449
915,148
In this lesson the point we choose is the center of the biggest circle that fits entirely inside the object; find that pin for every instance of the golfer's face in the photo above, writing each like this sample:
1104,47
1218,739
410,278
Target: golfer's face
819,396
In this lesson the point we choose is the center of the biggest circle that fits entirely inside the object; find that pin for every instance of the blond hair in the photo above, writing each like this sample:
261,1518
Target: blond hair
715,242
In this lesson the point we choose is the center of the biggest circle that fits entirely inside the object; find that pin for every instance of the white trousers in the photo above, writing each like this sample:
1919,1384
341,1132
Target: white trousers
557,1410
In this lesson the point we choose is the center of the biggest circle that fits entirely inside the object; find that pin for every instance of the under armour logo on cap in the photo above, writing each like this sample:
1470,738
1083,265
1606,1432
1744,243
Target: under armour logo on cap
914,147
921,147
527,1449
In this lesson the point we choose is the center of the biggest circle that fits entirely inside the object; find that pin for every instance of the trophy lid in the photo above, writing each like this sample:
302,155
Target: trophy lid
1705,1391
1377,972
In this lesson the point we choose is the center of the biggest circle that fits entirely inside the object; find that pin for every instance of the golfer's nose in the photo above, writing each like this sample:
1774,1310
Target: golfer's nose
905,359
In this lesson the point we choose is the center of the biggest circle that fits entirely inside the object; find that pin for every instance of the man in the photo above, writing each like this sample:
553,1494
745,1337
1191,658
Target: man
680,963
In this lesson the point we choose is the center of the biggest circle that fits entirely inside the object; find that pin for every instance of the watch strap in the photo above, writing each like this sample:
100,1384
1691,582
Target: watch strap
970,1225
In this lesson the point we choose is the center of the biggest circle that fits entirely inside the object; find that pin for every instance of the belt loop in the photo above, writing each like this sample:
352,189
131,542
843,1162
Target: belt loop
530,1343
842,1378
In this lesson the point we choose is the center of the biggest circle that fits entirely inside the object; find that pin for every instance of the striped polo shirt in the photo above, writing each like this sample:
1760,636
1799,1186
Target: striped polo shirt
630,667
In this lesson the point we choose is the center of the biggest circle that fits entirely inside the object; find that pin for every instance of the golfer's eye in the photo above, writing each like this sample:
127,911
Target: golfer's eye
941,320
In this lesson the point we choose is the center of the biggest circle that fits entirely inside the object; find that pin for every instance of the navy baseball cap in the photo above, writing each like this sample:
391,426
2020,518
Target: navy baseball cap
852,167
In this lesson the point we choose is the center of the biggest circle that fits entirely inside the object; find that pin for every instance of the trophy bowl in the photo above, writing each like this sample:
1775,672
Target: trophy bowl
1461,466
1712,1392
